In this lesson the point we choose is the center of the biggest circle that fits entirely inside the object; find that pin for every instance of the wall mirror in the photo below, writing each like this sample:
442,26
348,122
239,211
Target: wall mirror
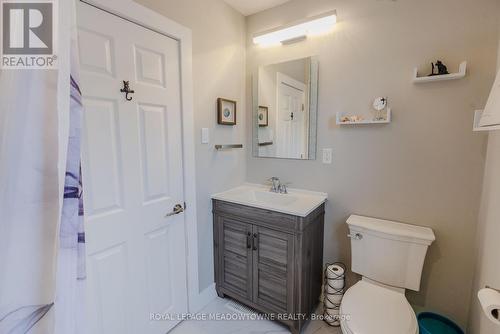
285,98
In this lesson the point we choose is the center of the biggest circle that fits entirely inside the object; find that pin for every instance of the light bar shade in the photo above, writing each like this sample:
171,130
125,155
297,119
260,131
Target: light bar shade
314,26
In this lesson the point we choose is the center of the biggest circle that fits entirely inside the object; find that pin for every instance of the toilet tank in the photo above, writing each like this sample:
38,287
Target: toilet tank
389,252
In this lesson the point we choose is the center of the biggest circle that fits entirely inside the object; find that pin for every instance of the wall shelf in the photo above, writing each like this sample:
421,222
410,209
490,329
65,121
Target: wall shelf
365,121
462,71
477,128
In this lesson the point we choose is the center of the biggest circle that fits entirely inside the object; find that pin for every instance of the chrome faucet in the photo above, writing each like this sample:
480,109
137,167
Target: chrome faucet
277,186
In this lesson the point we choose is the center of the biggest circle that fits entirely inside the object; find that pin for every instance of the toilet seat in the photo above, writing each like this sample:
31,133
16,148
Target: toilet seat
368,308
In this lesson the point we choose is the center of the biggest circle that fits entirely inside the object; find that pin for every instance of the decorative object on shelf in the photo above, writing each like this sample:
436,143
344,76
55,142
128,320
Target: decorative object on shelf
263,116
351,119
440,67
342,119
226,112
441,75
228,147
380,105
333,292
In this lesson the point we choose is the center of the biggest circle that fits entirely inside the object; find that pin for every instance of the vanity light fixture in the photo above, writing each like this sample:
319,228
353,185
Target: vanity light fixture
298,31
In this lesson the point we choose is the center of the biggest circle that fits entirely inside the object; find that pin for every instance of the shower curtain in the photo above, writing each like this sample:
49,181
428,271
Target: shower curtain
42,272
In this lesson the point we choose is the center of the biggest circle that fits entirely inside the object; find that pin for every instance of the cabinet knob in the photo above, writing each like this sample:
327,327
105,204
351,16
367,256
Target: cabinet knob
255,241
357,236
249,240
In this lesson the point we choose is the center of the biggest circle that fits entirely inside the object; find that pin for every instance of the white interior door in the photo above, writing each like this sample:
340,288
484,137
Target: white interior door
291,123
132,173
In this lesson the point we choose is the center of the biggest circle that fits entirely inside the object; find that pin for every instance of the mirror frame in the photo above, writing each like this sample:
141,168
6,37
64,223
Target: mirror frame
313,110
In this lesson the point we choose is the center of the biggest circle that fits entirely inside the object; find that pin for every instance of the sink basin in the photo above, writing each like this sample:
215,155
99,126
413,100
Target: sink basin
296,202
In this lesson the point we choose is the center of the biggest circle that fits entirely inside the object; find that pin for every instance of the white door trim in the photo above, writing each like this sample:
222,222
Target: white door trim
147,18
288,80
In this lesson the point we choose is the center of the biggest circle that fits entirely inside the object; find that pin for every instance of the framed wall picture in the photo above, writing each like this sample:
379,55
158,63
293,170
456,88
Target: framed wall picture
263,116
226,112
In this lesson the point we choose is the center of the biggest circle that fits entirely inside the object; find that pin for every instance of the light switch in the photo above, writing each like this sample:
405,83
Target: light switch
327,155
205,136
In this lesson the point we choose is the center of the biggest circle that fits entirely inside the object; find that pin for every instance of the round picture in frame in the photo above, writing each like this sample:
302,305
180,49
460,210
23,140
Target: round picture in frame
226,112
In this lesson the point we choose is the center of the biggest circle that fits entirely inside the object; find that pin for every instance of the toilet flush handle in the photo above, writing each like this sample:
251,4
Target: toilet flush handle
357,236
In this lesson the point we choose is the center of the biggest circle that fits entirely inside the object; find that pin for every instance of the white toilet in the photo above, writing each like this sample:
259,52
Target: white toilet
390,257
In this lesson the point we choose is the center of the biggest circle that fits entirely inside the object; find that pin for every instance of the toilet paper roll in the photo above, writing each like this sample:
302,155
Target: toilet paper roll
333,313
333,285
334,271
332,322
333,300
490,302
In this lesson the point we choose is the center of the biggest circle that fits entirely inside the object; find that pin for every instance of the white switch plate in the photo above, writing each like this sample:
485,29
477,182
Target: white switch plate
327,155
205,136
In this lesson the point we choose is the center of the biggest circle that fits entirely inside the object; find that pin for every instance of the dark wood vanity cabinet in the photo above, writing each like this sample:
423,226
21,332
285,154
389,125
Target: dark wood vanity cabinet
268,260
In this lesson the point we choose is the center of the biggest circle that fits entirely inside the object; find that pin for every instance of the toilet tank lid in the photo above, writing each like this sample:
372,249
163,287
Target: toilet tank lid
423,234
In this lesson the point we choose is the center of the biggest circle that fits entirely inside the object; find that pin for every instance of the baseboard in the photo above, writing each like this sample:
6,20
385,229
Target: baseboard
204,298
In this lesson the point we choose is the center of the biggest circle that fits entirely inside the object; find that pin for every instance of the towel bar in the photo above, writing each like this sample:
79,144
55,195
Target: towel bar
228,147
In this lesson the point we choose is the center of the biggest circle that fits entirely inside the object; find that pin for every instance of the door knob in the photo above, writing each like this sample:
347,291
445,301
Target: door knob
178,208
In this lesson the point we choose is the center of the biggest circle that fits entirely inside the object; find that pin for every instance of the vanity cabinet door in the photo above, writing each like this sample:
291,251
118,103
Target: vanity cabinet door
273,270
235,257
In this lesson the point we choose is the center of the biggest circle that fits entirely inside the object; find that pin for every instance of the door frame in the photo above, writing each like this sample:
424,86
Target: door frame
149,19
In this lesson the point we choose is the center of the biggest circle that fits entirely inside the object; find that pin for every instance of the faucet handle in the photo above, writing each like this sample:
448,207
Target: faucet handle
283,188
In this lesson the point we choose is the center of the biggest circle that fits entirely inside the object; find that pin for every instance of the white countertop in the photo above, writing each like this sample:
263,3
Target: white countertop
297,202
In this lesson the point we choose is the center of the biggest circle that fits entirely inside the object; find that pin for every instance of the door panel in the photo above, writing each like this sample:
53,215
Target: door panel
111,307
159,270
273,270
154,151
132,174
150,66
236,261
101,60
103,156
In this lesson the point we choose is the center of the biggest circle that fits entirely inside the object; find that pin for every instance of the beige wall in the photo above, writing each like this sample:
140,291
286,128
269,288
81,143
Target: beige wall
426,167
218,71
488,234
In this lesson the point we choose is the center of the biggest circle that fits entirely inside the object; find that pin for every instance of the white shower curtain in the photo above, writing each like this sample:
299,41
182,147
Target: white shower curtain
39,152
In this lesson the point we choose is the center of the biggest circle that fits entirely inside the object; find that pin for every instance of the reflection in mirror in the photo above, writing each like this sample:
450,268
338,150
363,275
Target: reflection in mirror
285,110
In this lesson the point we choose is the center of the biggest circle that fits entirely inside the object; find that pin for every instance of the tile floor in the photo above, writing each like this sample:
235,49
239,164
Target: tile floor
246,326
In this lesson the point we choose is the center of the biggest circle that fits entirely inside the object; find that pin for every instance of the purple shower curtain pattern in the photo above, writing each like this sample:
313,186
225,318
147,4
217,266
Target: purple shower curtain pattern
71,274
72,233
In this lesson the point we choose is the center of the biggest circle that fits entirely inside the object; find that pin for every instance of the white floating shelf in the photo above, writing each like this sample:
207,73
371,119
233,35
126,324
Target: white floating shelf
462,71
365,121
477,118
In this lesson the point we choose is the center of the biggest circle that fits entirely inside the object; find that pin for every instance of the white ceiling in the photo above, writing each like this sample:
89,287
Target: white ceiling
249,7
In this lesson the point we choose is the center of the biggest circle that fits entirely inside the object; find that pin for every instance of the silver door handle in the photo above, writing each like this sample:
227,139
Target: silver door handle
357,236
178,208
